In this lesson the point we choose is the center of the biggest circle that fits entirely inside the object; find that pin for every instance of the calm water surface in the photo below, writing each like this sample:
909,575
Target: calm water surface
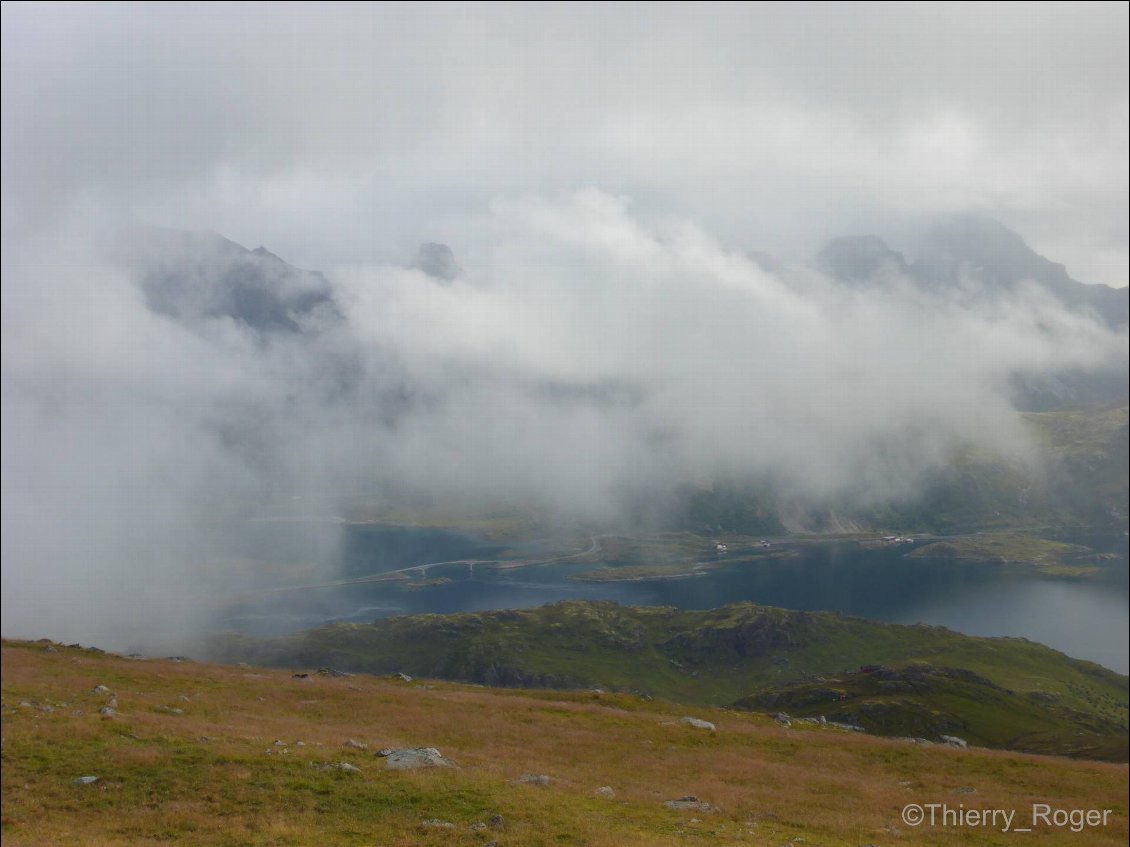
1085,619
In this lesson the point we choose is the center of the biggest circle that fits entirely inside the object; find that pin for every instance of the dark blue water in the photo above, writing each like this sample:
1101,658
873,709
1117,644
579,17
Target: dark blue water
1086,619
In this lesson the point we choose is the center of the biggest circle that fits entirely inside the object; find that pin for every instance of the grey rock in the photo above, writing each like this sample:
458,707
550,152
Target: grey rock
534,779
690,802
698,723
403,677
100,689
107,712
436,823
605,791
497,822
407,758
348,768
86,780
332,672
954,741
356,745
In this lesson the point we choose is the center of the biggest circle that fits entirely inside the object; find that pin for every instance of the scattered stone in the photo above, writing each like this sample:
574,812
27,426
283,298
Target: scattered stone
332,672
185,698
697,723
849,727
107,712
170,710
348,768
86,780
415,757
112,702
965,790
436,823
604,791
954,741
478,827
299,743
403,677
534,779
47,709
27,704
496,822
100,689
690,802
356,745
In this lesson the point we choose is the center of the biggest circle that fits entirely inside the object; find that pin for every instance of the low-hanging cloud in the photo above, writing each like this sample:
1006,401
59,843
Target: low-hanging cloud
589,361
588,353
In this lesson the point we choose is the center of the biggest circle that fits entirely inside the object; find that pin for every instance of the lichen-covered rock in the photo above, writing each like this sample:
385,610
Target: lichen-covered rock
406,758
698,723
690,802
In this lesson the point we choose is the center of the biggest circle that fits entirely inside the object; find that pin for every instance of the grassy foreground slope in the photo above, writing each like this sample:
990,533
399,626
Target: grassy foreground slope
211,755
1026,696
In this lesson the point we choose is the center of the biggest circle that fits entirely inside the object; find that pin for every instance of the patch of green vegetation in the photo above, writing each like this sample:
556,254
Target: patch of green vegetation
1051,558
422,584
633,573
921,700
715,657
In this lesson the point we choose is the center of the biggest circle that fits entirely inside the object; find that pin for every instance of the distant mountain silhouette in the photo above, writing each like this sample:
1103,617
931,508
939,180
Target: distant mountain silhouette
437,261
859,259
200,276
988,252
978,255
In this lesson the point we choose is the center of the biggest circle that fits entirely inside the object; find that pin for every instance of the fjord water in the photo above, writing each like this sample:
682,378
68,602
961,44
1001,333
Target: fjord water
1086,619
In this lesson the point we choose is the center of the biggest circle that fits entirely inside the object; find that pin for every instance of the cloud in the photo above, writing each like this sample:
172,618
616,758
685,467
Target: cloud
591,360
340,133
594,349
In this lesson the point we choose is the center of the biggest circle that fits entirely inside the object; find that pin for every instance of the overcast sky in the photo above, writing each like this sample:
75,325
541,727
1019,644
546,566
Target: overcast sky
350,133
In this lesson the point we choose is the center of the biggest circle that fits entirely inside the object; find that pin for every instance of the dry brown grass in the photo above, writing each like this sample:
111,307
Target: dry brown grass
162,784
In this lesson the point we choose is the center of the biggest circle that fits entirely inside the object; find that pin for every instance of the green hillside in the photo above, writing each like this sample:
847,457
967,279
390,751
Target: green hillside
105,750
1026,696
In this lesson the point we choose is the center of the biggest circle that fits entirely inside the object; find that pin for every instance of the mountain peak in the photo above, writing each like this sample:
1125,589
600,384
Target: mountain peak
437,261
859,258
